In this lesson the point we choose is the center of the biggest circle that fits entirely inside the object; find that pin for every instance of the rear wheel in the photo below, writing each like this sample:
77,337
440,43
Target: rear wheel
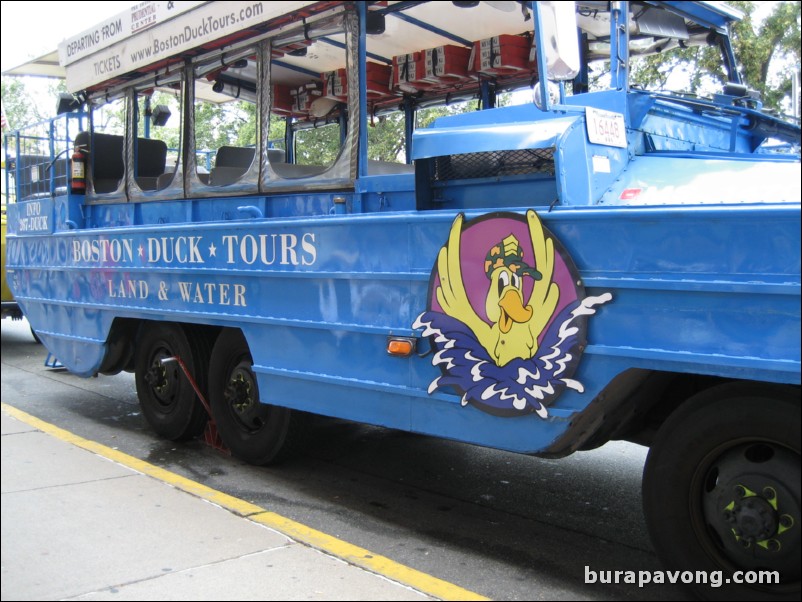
167,398
721,491
255,432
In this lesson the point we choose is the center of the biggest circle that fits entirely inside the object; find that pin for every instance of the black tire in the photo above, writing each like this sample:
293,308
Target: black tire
721,490
167,398
257,433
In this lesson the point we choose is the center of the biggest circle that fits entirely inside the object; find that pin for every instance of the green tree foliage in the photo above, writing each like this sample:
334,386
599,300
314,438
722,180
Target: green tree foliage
773,45
232,123
20,104
386,138
768,53
317,145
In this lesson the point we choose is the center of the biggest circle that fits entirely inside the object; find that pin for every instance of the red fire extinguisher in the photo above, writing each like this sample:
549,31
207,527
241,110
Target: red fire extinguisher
78,171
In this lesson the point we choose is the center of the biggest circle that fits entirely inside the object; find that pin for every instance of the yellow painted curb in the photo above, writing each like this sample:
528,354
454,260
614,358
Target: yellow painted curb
350,553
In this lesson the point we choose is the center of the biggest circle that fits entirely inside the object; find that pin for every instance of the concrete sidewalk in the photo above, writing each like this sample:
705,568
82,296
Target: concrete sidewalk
81,521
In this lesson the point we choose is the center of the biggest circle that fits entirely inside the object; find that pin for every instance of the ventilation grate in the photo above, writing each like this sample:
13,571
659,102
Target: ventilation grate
494,164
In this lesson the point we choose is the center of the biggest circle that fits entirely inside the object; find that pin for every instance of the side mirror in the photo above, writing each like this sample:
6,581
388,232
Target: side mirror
560,39
553,92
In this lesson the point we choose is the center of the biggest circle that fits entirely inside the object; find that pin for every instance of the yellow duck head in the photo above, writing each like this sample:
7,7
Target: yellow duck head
512,335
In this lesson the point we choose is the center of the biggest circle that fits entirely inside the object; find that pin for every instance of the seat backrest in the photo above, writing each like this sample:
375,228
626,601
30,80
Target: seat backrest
276,155
151,157
234,156
82,140
107,153
108,166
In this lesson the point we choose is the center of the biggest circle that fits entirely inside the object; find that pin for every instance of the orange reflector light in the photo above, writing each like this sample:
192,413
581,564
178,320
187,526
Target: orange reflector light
630,194
401,347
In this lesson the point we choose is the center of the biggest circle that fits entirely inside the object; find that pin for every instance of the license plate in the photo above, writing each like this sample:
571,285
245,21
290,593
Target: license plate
606,127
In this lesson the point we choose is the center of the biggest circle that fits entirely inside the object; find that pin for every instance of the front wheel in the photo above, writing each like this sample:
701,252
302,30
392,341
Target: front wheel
255,432
721,493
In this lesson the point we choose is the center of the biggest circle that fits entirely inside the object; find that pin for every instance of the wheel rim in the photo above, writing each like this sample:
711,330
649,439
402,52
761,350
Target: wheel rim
241,395
748,508
163,379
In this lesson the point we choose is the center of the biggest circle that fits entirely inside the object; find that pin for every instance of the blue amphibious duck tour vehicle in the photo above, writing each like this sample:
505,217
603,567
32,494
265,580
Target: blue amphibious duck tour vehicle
252,206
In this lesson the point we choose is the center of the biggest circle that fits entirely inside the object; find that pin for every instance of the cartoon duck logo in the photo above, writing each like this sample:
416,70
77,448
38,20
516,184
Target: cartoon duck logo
507,315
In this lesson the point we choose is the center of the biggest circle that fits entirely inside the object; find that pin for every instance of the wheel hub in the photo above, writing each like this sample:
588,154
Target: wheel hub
752,519
238,392
156,377
751,506
162,378
241,396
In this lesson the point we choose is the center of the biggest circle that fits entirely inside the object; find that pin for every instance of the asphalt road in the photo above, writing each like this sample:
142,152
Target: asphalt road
506,526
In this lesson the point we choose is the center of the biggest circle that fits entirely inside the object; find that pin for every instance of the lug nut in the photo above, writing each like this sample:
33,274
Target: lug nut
728,516
773,545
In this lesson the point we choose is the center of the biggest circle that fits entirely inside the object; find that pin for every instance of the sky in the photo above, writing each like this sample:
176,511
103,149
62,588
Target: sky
31,29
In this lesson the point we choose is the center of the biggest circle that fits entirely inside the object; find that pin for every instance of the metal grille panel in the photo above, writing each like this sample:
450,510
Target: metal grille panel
494,164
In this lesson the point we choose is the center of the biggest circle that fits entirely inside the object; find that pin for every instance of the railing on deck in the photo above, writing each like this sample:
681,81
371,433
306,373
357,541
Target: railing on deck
37,157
